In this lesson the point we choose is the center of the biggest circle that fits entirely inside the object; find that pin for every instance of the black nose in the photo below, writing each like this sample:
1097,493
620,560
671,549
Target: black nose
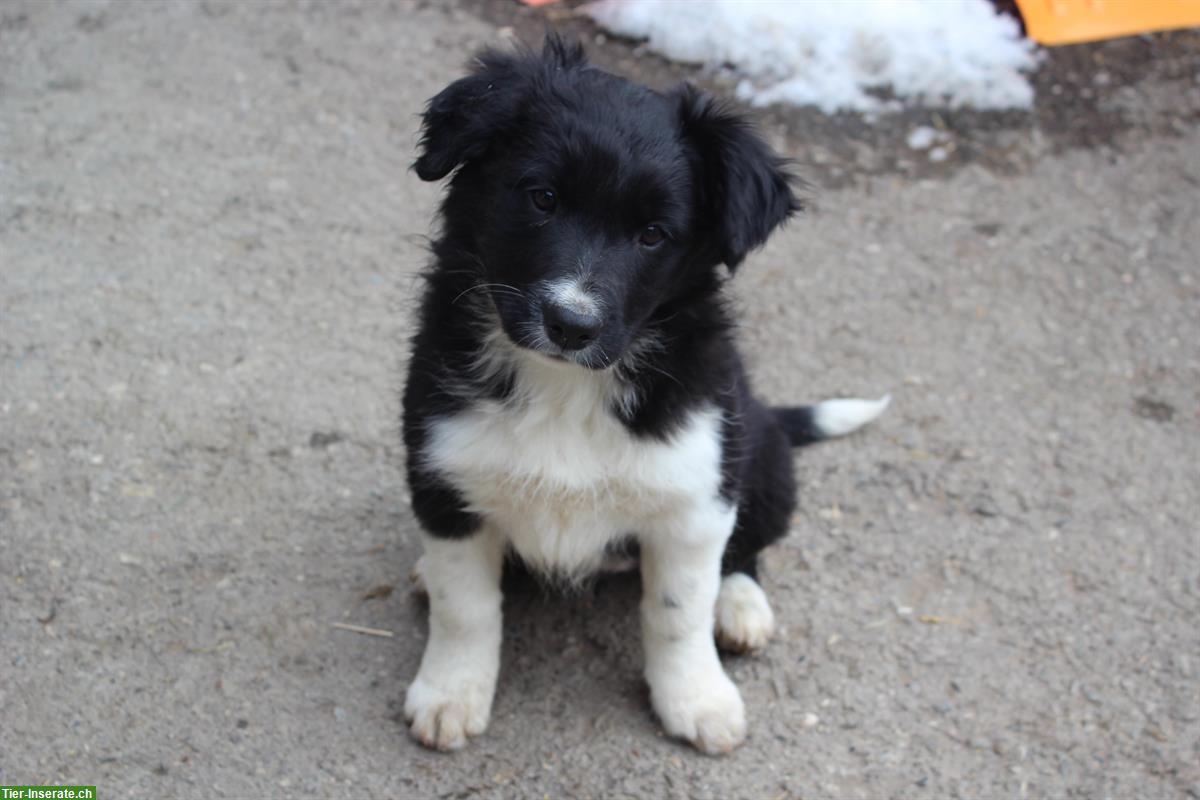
568,328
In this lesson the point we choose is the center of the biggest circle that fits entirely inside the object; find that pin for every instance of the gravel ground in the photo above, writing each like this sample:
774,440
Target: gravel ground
207,240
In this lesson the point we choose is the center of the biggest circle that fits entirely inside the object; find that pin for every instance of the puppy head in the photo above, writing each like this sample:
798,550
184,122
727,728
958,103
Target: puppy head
590,204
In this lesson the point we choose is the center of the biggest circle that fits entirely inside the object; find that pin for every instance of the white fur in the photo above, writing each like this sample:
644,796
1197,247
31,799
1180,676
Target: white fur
744,620
681,573
569,292
839,417
558,478
451,697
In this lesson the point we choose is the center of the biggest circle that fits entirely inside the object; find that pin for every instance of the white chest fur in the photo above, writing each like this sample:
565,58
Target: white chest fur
560,477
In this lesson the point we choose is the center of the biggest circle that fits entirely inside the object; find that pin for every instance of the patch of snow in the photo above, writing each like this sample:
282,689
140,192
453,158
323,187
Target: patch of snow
835,54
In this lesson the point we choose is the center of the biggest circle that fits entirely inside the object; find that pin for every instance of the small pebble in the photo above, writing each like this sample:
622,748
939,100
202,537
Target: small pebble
810,720
831,513
921,137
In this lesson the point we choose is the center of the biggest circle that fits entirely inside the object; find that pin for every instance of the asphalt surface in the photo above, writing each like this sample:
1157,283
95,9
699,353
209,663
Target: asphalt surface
208,236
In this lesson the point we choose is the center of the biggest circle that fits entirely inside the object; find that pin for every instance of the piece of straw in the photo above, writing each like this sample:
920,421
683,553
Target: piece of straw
362,629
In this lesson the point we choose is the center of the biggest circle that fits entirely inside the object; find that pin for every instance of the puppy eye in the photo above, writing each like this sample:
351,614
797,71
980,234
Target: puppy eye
652,235
544,199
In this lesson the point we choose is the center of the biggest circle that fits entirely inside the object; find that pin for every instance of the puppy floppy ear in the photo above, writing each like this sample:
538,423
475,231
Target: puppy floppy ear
743,188
560,53
461,121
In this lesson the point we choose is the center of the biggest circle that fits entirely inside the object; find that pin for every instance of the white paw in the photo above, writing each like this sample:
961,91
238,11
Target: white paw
744,620
706,710
416,576
444,714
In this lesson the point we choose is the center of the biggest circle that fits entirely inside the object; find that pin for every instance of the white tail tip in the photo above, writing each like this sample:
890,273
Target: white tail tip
839,417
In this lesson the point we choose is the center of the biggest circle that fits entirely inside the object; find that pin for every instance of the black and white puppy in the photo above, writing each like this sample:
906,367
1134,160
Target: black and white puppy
574,383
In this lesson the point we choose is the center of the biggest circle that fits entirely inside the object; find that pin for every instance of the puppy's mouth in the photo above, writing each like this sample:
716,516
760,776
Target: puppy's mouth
591,356
557,333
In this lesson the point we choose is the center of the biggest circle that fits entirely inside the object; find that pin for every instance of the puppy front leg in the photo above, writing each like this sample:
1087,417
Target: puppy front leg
451,697
681,574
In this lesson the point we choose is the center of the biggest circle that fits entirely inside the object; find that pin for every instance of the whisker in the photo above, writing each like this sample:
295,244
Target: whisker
662,372
510,290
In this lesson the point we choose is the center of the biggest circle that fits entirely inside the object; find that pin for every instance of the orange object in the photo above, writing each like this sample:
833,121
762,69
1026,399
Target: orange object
1070,21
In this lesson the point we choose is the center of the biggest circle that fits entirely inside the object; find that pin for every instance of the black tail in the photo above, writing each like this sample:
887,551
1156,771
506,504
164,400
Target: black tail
799,425
809,424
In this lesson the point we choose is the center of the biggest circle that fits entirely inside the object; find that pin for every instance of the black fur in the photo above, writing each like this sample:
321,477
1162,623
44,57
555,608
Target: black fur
618,158
799,425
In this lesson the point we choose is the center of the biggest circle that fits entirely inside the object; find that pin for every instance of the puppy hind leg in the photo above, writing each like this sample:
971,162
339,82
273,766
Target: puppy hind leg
744,621
416,578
